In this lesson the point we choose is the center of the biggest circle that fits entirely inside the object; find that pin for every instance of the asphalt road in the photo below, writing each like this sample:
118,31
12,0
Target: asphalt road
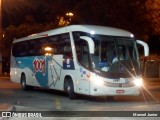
51,100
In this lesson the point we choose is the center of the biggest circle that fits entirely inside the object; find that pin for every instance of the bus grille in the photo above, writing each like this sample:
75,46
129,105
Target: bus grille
131,84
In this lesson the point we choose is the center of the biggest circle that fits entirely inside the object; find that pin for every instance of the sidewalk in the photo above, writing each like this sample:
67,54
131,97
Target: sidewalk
6,107
5,75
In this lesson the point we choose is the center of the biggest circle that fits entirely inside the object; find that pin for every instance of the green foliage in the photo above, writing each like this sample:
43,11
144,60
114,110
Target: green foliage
141,17
12,32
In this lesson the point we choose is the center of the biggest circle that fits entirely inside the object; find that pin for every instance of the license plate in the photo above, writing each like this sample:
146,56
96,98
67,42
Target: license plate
119,91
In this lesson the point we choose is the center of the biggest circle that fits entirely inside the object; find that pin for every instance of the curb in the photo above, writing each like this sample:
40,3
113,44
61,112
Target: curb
9,109
6,107
4,77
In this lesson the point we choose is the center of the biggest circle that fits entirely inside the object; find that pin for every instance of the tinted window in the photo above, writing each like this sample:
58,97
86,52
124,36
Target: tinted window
60,44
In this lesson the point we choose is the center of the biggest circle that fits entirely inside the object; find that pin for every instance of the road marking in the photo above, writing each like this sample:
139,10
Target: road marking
58,104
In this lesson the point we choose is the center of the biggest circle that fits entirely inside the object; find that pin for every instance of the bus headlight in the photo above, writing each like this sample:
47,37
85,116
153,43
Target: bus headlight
96,80
138,82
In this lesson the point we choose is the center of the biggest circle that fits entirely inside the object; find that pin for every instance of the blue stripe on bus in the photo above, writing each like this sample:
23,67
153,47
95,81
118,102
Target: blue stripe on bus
39,67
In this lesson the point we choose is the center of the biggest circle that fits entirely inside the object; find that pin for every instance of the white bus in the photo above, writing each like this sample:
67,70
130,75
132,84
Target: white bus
83,59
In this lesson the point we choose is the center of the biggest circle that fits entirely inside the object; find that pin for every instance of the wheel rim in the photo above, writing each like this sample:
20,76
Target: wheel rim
23,84
67,87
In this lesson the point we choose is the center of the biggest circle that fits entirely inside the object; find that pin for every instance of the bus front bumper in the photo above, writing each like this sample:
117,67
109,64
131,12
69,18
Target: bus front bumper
114,91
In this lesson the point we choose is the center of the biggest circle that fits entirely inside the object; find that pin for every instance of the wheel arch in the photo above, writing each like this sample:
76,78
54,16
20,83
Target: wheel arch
22,74
71,78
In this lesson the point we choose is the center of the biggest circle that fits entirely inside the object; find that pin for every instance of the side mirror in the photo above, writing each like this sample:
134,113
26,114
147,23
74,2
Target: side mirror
145,46
90,43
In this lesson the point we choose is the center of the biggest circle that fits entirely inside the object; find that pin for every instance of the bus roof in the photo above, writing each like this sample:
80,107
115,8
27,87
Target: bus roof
93,29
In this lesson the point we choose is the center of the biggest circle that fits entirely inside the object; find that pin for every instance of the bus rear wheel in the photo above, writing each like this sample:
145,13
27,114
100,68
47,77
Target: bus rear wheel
23,83
69,88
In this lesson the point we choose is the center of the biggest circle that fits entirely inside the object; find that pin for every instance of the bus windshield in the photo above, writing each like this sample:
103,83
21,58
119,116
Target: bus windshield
115,57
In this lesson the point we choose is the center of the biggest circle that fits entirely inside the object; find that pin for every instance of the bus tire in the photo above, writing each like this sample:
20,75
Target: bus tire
23,83
69,88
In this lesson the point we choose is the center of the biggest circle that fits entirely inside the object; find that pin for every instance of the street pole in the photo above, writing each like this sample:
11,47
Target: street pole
1,36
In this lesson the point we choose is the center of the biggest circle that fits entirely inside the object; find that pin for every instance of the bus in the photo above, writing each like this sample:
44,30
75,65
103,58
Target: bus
79,59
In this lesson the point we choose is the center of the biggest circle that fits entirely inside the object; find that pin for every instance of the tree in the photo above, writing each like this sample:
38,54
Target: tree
9,36
146,19
141,17
153,15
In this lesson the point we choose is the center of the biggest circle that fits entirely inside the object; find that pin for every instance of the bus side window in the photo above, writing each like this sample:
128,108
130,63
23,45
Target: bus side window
65,45
78,52
82,52
31,48
15,50
23,49
19,49
84,55
68,51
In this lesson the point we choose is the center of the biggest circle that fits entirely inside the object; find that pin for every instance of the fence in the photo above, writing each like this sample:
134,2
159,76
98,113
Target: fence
151,68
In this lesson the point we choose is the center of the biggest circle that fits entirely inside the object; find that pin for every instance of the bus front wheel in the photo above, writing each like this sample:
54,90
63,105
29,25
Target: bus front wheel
69,88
